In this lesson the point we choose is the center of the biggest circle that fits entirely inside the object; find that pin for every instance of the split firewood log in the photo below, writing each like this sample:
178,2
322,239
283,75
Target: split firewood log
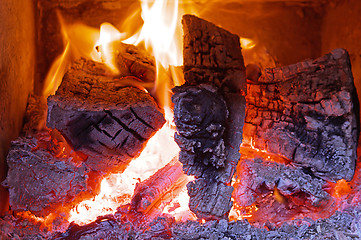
151,191
308,113
46,176
209,114
101,117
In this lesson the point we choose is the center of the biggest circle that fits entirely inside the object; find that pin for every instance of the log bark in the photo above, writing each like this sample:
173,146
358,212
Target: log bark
209,114
102,118
45,176
308,113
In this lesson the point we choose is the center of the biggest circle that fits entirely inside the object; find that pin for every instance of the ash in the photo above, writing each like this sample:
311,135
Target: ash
340,226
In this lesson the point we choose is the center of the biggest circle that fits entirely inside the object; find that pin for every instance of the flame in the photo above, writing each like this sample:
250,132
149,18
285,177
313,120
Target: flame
160,35
158,32
103,50
247,43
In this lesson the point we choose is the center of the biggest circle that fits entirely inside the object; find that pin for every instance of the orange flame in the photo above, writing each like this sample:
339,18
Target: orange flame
247,43
103,50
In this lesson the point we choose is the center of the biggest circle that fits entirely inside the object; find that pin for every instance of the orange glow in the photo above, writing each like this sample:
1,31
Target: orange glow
247,43
178,206
240,213
341,188
248,150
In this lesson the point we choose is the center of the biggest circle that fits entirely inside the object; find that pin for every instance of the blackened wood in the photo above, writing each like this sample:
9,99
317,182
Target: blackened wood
200,114
254,177
308,113
150,191
101,118
105,227
45,176
212,60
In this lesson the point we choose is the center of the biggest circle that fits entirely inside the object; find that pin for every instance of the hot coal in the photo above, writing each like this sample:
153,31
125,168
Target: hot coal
45,179
308,113
102,119
209,114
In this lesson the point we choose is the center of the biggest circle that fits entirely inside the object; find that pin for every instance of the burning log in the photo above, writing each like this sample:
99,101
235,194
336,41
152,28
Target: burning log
45,176
253,176
150,191
209,115
308,113
101,118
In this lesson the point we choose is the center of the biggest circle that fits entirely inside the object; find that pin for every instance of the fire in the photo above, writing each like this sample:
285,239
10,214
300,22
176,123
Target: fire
117,189
103,50
158,36
247,43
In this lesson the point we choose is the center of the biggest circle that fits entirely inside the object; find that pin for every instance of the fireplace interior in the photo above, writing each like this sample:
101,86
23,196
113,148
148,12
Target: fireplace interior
33,36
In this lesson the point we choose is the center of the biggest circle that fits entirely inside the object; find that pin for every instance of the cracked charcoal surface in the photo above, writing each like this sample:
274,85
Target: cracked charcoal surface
209,122
101,119
307,112
52,183
253,175
200,114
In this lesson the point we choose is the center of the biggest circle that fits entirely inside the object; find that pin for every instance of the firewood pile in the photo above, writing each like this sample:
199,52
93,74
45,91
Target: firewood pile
304,115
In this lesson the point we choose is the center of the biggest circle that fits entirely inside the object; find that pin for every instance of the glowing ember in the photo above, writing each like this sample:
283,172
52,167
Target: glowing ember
248,149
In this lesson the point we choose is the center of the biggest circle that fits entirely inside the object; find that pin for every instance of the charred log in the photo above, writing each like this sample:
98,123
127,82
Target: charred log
105,227
44,179
308,113
253,177
101,118
200,114
209,114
